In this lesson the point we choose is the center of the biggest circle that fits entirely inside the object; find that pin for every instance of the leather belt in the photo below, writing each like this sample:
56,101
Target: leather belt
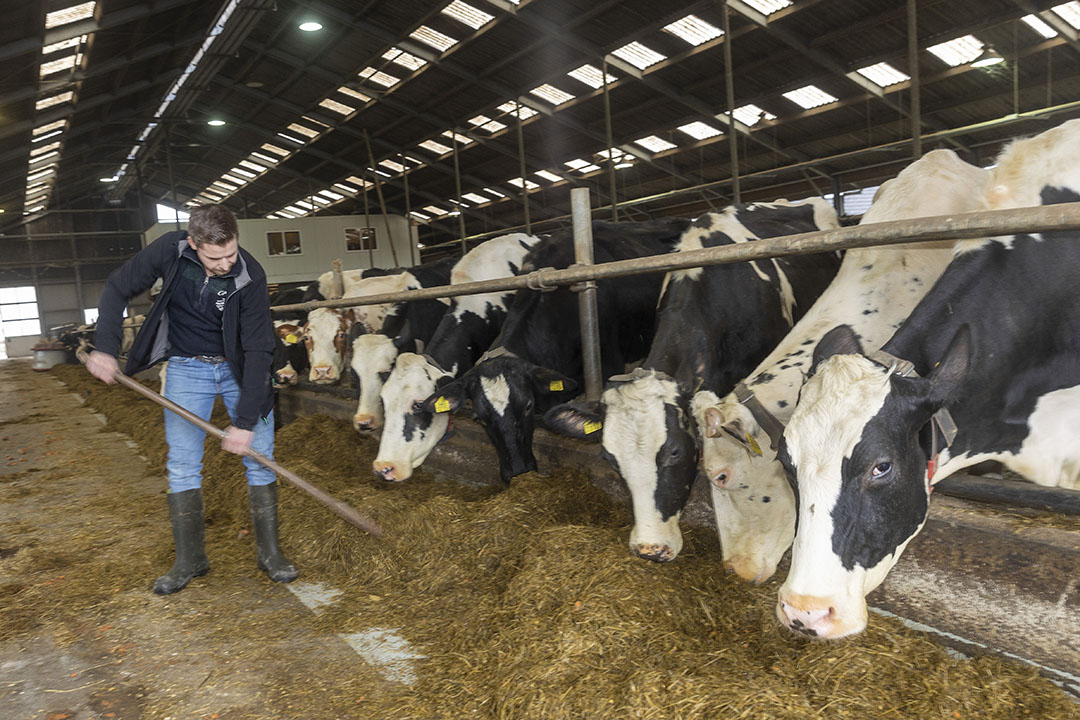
211,359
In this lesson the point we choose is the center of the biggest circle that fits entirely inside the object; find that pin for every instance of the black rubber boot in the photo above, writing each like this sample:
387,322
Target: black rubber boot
263,500
186,515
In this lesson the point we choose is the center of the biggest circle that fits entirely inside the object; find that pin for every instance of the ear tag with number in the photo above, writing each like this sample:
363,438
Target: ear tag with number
592,426
555,386
442,405
752,444
291,339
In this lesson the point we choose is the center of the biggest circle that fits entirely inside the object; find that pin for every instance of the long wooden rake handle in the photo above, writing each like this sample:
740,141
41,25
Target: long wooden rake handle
346,512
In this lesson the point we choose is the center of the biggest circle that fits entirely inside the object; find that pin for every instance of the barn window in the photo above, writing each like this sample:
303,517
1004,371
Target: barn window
19,312
358,239
283,242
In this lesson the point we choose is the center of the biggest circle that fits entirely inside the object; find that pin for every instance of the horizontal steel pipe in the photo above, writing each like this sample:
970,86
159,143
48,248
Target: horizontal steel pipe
1065,216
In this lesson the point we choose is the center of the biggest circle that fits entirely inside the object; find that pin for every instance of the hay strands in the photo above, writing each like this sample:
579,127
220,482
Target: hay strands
346,512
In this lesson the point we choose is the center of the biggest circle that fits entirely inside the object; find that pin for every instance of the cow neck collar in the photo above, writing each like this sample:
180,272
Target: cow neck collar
768,422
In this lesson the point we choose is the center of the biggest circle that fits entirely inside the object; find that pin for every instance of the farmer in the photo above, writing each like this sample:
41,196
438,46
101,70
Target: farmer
211,321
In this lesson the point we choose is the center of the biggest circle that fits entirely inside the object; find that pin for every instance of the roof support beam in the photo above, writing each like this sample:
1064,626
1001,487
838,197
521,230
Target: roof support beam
1051,18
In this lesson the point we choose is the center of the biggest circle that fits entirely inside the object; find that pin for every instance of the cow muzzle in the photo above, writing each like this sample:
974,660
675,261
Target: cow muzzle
657,552
286,377
364,423
818,617
323,374
391,472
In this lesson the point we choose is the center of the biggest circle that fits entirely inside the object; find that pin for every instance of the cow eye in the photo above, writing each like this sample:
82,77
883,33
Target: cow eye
417,406
881,470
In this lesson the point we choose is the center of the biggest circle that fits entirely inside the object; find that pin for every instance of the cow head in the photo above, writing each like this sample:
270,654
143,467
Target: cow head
372,360
290,355
503,391
752,501
855,451
647,438
326,337
412,426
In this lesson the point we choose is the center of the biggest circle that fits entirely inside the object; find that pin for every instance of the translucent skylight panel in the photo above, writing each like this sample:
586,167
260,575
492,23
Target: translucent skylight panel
242,172
55,66
483,121
40,174
54,100
362,183
655,144
1069,12
883,74
513,108
700,130
638,55
549,176
436,147
320,199
74,13
337,107
303,130
694,30
582,166
346,188
379,77
960,51
768,6
62,45
474,198
391,165
55,125
465,13
750,114
404,59
552,94
434,38
274,149
304,204
297,211
43,158
44,149
355,94
461,139
809,96
591,76
253,166
435,210
229,188
519,182
1039,25
614,154
232,180
330,194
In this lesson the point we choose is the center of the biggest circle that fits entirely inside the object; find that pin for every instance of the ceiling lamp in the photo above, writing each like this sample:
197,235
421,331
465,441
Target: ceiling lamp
310,26
989,57
215,122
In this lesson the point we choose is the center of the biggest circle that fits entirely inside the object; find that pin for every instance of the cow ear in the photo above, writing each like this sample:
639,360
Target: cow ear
714,422
576,419
549,382
948,374
404,345
446,399
841,340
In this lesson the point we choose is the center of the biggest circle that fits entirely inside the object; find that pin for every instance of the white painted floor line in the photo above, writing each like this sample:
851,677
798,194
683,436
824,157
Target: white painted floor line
385,648
1066,681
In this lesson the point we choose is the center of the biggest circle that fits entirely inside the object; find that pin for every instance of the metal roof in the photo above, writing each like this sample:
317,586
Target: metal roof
149,74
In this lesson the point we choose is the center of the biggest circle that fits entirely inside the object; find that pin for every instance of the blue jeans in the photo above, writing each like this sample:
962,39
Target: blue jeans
193,385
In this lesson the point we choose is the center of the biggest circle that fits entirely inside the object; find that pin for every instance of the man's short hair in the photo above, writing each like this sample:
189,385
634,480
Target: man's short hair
212,224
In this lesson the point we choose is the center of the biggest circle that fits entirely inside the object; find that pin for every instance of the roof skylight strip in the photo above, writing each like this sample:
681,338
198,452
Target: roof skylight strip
957,52
655,144
434,38
591,76
335,106
467,14
768,7
883,74
74,13
638,55
404,59
48,102
552,94
1039,25
694,30
809,96
1069,12
700,130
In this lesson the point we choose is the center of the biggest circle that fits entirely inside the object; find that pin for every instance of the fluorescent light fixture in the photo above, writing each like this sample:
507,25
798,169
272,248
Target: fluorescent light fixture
474,198
809,96
379,77
434,38
46,136
638,55
552,94
355,94
1069,12
331,195
750,114
215,122
298,212
230,189
883,74
958,52
467,14
242,172
40,174
421,216
390,164
264,158
591,76
232,179
82,11
768,7
404,59
346,188
700,130
42,158
496,193
988,58
655,144
1039,25
435,210
290,138
436,147
303,130
519,182
310,26
549,176
253,166
694,30
335,106
54,66
44,149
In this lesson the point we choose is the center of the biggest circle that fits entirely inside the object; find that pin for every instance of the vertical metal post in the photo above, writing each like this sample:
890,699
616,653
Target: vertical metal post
78,280
172,183
729,83
457,189
408,214
382,202
587,313
521,159
1016,69
367,222
837,201
913,71
141,224
611,151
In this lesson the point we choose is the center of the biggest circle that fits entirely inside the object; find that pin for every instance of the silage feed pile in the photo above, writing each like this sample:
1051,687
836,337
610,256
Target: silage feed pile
527,603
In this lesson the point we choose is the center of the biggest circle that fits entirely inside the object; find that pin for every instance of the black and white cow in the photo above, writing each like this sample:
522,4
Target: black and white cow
405,327
995,343
873,292
414,421
290,356
714,324
536,360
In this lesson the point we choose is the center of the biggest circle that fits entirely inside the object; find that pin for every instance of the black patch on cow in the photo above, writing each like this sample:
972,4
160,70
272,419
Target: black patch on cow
762,377
676,464
416,422
809,341
782,403
791,474
766,498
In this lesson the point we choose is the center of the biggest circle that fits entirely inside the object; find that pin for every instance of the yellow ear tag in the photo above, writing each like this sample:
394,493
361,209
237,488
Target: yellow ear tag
592,426
555,385
442,405
752,444
291,339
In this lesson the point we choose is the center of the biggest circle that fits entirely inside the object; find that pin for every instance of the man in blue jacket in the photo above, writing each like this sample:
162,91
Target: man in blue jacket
211,321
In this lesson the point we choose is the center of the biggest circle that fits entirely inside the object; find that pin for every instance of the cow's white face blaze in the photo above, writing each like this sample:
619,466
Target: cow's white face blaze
372,360
325,335
411,432
646,436
824,594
